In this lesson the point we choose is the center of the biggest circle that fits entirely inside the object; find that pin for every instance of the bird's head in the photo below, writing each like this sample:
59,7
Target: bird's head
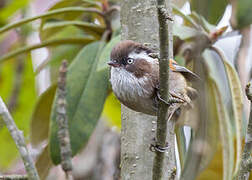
132,57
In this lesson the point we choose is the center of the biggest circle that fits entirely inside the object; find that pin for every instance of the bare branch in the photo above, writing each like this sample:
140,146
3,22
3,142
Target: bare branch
166,53
18,137
63,133
14,177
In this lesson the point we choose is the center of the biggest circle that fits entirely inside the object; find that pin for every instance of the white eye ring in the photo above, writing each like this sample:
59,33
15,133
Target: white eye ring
130,61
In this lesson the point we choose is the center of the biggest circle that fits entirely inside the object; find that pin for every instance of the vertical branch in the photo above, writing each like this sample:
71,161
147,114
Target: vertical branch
166,53
18,137
246,164
63,133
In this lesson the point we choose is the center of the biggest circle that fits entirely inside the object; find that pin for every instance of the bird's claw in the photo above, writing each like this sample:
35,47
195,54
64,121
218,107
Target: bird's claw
154,147
171,101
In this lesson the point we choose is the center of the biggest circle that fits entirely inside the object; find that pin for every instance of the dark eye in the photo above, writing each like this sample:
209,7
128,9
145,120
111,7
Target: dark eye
130,61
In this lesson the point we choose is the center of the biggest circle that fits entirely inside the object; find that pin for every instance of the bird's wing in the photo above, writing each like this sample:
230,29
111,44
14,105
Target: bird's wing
189,75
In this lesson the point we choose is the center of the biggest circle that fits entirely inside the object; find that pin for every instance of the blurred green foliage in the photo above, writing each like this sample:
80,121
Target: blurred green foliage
89,94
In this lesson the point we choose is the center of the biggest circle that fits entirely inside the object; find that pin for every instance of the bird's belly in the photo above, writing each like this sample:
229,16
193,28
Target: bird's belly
146,106
137,99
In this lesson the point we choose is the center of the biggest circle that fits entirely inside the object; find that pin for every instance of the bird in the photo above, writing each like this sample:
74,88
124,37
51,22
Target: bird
134,77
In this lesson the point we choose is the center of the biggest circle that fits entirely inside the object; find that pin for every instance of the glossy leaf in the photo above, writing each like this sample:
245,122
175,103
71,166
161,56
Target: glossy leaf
41,116
212,10
86,94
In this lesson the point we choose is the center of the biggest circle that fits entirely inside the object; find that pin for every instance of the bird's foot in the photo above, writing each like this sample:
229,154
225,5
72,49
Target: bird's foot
154,147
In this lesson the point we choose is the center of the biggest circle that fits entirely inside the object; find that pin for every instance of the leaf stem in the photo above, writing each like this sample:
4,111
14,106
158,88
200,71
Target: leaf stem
44,44
49,14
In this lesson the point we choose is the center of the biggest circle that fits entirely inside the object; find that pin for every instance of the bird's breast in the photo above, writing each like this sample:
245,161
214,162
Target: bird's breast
135,93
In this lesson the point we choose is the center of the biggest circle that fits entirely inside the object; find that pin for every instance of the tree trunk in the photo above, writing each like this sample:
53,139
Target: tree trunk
139,23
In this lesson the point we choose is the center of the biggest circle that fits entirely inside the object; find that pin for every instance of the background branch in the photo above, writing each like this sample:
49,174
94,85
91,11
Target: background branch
63,132
13,177
18,137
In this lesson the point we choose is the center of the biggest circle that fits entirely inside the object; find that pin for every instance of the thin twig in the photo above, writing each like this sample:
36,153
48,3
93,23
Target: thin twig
18,137
246,164
166,53
13,177
63,132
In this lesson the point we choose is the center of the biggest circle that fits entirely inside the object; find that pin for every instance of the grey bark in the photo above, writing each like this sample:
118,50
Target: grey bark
139,23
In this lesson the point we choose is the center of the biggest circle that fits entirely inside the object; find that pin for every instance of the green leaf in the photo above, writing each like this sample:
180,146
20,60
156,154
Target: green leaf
86,93
237,104
225,132
49,29
105,55
243,13
57,54
46,15
44,163
41,116
184,32
70,16
212,10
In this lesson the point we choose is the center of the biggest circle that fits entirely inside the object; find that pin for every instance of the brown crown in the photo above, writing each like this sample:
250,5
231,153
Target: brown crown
121,51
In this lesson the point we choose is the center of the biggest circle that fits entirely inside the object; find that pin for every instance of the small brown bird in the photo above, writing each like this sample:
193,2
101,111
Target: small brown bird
135,78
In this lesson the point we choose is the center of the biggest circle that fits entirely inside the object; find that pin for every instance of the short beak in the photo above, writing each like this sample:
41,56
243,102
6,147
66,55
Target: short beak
113,63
